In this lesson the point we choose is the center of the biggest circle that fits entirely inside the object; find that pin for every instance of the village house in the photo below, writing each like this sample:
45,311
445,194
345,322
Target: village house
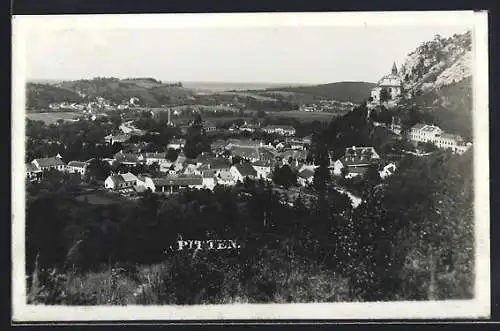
158,157
424,133
209,126
172,184
190,169
263,168
356,161
243,170
221,166
47,163
120,182
208,177
32,172
305,177
248,153
77,167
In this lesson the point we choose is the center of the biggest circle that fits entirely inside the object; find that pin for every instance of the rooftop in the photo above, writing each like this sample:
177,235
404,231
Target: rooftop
78,164
49,162
245,169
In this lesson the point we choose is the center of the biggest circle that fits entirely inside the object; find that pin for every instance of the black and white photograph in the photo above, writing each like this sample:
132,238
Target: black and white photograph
250,166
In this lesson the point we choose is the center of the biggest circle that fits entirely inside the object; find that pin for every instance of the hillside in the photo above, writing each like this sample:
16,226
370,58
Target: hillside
42,95
150,92
355,92
438,78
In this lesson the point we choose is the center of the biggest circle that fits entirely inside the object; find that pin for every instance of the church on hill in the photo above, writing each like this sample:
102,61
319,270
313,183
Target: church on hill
389,87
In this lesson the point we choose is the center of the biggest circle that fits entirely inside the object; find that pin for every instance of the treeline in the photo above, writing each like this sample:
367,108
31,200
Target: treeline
409,239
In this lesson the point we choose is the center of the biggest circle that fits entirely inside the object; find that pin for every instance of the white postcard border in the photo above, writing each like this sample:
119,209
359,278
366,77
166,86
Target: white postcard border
478,307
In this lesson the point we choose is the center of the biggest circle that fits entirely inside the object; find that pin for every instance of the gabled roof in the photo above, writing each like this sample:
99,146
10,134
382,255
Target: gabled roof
450,136
245,169
359,156
126,157
117,179
128,177
30,167
178,180
219,163
49,162
306,173
78,164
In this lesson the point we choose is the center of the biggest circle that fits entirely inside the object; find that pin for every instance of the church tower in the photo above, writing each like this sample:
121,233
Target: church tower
394,69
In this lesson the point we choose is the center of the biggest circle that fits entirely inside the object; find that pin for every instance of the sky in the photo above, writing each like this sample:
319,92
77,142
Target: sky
307,55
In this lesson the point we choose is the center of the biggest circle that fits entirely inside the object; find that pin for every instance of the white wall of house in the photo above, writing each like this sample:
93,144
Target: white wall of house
236,174
109,183
209,182
337,168
263,172
148,184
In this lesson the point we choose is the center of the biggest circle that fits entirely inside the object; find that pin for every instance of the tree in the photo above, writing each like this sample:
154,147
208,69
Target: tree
261,114
98,169
172,154
284,176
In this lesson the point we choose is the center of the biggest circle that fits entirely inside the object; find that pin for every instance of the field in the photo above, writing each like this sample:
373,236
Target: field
305,116
52,117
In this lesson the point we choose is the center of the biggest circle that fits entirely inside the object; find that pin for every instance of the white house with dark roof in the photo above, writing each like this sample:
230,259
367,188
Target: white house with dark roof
32,171
47,163
171,184
243,170
263,168
77,167
120,181
208,178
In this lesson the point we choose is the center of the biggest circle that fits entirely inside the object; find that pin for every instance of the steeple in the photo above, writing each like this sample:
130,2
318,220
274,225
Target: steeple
394,69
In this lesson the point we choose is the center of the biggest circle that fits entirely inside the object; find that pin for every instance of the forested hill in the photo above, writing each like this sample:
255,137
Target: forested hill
150,92
355,92
42,95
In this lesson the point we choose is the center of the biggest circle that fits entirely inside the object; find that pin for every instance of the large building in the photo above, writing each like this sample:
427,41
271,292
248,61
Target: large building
423,133
391,83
